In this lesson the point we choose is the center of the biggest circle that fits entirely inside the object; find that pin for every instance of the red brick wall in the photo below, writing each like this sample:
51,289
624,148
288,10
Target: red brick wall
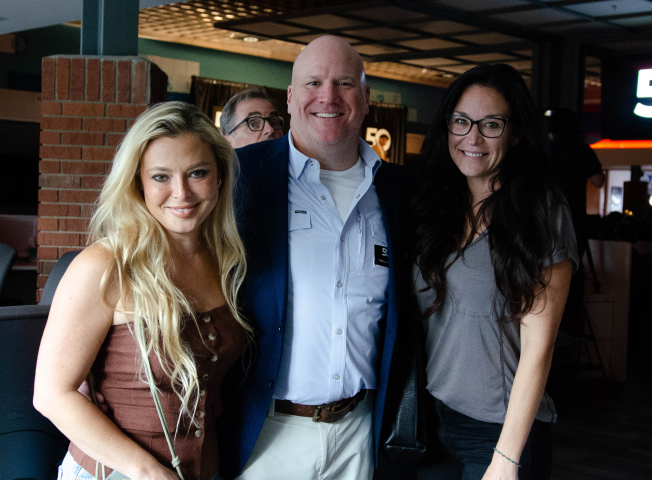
88,102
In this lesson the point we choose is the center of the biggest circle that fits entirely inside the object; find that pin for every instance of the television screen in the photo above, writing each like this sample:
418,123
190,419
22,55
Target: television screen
627,98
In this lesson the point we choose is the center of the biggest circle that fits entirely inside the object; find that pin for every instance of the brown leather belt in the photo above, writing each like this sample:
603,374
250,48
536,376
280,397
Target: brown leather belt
327,413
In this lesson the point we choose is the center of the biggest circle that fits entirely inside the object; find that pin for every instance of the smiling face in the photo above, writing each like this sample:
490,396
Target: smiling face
180,179
328,99
253,107
478,157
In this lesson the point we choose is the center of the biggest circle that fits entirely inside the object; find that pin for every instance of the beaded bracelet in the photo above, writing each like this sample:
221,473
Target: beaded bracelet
507,458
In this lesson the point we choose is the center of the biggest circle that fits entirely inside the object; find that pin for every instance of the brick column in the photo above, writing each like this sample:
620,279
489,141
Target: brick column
88,102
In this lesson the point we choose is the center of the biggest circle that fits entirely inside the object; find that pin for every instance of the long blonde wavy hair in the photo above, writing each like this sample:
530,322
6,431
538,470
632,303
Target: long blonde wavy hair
140,247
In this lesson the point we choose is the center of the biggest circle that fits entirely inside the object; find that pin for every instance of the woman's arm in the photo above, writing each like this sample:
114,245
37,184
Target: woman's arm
538,334
78,323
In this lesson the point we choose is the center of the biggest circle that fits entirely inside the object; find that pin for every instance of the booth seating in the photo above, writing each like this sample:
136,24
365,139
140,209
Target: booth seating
55,277
20,232
31,447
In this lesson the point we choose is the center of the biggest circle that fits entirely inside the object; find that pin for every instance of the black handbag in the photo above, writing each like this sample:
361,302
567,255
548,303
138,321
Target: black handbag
406,422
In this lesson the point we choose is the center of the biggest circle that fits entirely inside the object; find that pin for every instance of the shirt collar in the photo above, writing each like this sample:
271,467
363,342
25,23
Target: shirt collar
298,160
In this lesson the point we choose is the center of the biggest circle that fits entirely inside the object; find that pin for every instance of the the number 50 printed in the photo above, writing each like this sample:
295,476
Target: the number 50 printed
644,90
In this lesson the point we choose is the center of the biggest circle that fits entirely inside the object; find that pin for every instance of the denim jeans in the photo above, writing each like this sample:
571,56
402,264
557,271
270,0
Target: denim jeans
71,470
472,442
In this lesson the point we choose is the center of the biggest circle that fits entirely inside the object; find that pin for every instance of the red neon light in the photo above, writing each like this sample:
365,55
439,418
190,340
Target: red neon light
608,144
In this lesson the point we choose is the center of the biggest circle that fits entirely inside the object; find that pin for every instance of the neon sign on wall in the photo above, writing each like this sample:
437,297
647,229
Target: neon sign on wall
644,90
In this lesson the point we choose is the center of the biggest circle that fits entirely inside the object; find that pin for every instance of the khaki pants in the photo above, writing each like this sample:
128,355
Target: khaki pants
296,448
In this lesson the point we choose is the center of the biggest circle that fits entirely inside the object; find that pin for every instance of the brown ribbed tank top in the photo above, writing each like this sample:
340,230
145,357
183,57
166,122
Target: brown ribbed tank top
217,345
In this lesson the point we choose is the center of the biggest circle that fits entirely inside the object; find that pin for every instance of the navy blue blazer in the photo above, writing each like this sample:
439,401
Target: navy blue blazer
262,211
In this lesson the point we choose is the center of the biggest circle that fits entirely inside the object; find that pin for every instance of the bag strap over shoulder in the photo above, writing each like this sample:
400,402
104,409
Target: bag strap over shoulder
176,461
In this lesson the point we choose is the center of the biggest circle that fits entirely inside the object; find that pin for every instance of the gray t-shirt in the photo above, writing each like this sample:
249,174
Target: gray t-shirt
472,357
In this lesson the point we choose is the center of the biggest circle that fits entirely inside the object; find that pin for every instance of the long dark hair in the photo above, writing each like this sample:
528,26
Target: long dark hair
517,210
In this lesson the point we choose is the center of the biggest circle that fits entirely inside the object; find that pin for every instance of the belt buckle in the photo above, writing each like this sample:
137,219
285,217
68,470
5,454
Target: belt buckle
317,414
316,417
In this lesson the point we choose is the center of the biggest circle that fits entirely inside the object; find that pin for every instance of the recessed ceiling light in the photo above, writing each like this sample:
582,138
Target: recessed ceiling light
250,39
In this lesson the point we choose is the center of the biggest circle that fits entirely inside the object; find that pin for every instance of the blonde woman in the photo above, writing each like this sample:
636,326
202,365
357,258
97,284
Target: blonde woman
165,253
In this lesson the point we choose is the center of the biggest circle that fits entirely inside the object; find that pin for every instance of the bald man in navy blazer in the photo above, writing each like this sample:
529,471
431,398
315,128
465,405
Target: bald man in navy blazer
324,223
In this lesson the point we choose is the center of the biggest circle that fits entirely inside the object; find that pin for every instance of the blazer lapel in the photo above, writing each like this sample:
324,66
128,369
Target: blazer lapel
389,204
274,179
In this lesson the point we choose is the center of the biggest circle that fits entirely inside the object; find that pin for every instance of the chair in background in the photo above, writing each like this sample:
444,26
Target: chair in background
55,277
7,258
31,447
20,232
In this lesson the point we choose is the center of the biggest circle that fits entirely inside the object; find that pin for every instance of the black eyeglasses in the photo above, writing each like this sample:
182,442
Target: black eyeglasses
492,127
256,124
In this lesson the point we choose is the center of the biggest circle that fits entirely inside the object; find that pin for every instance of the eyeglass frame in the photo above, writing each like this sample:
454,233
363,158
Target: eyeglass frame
475,122
264,119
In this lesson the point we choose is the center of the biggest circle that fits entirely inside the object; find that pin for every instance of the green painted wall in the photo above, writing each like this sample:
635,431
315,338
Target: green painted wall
216,64
221,65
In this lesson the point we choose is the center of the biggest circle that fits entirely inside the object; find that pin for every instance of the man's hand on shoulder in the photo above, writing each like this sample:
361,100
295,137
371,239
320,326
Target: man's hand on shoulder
101,402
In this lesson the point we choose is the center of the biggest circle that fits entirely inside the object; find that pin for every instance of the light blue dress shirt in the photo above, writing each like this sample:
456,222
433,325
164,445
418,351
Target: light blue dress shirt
337,286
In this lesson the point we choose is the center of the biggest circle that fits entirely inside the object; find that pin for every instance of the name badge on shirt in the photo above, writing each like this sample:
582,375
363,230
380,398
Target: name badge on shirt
381,255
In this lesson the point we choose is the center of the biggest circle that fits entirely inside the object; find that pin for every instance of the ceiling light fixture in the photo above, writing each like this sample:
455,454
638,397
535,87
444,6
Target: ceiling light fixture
250,39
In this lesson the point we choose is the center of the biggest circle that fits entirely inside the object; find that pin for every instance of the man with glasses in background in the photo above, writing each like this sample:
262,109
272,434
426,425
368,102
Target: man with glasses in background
250,117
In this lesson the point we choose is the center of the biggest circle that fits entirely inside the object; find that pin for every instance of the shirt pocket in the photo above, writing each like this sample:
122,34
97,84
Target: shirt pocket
299,234
378,250
471,293
371,234
299,218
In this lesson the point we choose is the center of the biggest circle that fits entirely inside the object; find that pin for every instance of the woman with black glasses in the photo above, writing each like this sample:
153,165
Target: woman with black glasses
494,256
